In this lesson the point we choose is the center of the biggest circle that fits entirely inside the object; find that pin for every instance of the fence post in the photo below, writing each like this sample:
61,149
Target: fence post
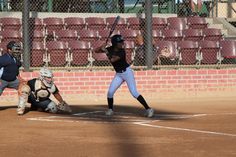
148,33
26,51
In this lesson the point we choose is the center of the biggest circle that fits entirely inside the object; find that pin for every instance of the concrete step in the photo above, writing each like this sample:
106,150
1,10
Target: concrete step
218,26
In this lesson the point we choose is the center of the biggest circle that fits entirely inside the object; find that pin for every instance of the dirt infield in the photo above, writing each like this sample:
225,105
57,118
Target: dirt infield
199,128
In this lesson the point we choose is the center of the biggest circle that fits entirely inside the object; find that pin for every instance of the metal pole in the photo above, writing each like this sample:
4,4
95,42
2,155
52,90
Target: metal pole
50,5
148,34
26,50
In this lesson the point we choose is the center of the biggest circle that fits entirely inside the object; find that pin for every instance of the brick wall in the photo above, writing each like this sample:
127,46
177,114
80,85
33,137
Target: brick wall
152,83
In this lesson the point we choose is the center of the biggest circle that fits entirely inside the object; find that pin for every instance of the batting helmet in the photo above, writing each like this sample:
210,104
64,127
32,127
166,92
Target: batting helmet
116,39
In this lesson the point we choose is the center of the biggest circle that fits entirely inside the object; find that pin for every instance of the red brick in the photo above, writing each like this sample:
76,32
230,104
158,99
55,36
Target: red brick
172,81
89,73
142,73
79,74
232,71
161,72
202,71
58,74
89,83
212,71
171,72
151,72
68,74
192,72
79,83
181,72
69,83
196,77
223,71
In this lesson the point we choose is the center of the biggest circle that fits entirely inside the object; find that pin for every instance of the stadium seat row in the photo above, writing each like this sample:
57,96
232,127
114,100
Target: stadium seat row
81,53
77,23
128,34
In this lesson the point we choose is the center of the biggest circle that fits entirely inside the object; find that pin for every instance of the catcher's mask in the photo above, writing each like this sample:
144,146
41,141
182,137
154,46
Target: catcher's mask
15,48
117,39
46,76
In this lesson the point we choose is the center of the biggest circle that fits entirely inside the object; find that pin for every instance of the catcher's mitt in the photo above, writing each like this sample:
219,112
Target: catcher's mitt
63,106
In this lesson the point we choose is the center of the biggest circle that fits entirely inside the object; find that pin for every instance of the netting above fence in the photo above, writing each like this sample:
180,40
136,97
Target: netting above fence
69,40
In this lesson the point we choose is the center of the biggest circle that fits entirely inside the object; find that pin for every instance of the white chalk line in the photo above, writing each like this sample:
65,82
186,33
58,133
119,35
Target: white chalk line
191,130
185,129
138,121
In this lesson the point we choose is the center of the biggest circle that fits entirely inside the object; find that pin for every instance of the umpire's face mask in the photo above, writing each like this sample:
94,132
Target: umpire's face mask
16,51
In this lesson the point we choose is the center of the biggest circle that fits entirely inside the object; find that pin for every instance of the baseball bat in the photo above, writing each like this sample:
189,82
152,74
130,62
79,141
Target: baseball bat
113,27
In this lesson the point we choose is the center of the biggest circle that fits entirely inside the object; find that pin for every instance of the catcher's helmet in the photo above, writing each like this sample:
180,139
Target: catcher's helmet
46,76
12,45
116,39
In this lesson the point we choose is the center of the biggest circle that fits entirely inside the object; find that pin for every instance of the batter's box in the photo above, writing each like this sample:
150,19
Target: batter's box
95,116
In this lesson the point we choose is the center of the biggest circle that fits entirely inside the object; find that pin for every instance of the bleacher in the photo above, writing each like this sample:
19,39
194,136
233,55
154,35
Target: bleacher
70,41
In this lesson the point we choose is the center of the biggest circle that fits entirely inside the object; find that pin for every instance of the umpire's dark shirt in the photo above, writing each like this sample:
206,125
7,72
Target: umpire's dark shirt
10,67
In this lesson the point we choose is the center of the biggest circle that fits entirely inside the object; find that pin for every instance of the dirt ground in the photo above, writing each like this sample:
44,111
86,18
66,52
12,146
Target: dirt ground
180,128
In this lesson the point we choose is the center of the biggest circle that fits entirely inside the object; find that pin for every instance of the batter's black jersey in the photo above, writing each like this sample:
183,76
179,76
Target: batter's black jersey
120,64
39,91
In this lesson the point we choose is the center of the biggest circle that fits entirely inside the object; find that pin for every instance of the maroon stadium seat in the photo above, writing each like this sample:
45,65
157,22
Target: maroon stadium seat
196,22
188,52
159,23
172,35
37,24
157,35
95,23
129,49
133,23
80,52
11,23
53,24
212,34
120,25
100,59
103,34
74,23
38,35
177,23
228,51
9,35
228,48
38,55
210,52
129,34
193,34
57,53
3,47
66,35
88,35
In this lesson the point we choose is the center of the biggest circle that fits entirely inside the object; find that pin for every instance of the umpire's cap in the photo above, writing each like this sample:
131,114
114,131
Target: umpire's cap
116,39
12,45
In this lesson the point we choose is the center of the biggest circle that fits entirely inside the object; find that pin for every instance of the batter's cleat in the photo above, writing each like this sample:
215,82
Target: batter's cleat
20,110
149,112
109,112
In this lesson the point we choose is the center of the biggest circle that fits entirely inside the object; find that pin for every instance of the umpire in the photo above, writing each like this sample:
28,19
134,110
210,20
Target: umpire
9,67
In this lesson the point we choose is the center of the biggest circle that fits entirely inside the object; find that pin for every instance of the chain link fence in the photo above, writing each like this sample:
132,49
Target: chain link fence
65,33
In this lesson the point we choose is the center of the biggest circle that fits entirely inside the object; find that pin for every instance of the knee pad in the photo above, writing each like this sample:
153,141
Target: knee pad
52,107
24,91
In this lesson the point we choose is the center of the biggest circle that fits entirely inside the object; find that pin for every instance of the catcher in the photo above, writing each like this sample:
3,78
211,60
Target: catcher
37,92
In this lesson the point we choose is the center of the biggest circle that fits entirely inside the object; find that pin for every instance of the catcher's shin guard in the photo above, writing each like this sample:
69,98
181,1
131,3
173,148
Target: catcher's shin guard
24,92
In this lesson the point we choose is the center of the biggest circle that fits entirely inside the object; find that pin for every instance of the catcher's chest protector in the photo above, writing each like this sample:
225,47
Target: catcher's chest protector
41,91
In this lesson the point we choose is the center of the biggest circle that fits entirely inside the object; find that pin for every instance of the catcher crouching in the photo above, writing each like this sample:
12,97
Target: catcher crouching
37,92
